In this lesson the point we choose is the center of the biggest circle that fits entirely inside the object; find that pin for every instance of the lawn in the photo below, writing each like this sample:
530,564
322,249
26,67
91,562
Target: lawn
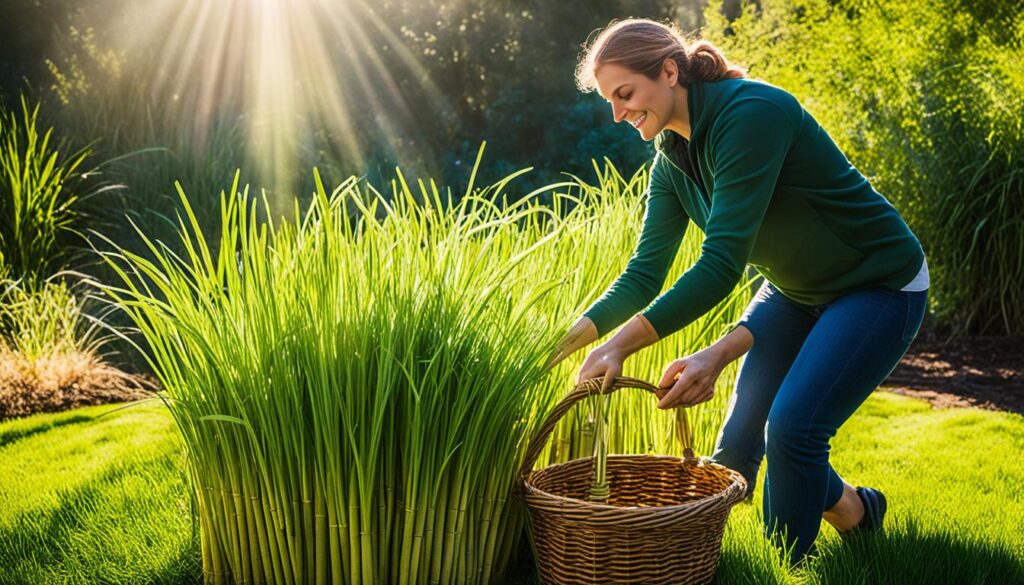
99,494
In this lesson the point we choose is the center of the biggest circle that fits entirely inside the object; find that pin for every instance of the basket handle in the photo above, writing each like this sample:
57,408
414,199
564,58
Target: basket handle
590,387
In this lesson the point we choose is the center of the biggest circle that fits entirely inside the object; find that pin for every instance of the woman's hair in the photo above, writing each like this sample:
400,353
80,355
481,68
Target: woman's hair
642,45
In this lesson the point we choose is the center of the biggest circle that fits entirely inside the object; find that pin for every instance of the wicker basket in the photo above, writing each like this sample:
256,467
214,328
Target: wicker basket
662,521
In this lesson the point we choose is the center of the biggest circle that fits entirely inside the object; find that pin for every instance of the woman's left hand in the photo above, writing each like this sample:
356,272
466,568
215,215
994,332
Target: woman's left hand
690,380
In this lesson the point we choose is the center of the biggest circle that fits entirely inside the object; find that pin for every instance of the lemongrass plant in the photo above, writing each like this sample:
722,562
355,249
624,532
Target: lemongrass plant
356,388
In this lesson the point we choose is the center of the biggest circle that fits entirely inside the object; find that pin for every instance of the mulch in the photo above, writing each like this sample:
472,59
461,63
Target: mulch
63,381
983,372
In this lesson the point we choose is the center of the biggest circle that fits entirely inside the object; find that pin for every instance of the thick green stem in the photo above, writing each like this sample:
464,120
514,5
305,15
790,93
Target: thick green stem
354,541
338,570
259,534
320,510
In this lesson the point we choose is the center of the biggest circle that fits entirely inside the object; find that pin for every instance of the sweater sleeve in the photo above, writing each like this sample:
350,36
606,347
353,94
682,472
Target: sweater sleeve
749,143
664,225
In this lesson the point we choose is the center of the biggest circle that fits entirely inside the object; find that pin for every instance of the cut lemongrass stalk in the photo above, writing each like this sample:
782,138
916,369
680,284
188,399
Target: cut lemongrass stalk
599,488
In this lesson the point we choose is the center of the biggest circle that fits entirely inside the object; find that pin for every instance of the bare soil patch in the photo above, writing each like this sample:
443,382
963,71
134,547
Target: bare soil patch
984,372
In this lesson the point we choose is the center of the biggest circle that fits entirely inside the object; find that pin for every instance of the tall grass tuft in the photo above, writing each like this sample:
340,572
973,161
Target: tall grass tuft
51,352
37,206
355,387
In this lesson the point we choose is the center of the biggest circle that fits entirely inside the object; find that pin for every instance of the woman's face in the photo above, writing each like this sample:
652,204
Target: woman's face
647,104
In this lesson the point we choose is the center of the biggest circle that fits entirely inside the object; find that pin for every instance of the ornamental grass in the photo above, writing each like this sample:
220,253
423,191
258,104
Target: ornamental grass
356,386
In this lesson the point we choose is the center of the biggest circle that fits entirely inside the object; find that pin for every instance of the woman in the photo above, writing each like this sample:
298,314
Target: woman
845,279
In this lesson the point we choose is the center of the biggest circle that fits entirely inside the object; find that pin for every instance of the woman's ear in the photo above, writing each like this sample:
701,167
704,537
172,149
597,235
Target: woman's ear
670,69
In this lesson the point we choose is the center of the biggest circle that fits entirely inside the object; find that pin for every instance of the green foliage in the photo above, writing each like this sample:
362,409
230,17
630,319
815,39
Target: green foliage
927,99
37,205
426,81
73,81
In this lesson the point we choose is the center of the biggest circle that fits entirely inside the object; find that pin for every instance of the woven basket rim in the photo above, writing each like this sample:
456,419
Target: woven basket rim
736,479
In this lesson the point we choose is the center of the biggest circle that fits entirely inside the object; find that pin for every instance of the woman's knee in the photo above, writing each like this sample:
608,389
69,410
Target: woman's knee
790,435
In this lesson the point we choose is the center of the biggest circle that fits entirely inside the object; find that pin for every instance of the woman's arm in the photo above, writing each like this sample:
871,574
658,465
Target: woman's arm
664,225
636,335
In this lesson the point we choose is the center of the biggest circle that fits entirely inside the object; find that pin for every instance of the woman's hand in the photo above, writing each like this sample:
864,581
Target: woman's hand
606,360
691,380
602,361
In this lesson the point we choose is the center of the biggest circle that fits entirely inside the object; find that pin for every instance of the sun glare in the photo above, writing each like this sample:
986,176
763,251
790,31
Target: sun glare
296,70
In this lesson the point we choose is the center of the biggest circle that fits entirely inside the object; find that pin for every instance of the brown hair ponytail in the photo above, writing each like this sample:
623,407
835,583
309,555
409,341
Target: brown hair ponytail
642,45
707,63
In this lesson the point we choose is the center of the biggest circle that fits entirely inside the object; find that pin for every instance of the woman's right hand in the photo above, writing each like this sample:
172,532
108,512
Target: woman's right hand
582,333
690,380
604,361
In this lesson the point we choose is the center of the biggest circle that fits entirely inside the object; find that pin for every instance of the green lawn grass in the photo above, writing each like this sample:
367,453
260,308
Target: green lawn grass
96,495
99,495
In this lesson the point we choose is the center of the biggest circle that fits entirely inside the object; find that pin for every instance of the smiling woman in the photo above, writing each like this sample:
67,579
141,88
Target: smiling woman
631,56
845,278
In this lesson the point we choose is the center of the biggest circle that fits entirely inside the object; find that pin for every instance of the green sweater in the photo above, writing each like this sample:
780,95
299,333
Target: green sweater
771,189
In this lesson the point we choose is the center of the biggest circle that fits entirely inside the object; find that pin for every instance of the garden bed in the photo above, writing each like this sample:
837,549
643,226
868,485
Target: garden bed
985,372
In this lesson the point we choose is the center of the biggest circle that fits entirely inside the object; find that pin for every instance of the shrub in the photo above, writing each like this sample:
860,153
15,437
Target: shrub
50,353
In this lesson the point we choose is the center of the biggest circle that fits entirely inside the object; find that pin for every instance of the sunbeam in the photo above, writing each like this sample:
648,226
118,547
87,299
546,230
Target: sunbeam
302,76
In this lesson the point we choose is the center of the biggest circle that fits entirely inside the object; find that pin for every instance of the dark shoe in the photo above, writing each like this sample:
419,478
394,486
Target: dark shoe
874,512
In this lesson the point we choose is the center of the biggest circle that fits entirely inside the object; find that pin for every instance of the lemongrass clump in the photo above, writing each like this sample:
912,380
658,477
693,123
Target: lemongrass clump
355,388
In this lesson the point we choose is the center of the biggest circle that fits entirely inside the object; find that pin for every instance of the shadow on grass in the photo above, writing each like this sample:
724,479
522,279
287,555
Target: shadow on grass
46,544
33,544
907,554
904,555
18,433
185,567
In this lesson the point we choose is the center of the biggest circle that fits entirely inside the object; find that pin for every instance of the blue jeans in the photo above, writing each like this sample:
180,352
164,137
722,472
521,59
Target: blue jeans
809,369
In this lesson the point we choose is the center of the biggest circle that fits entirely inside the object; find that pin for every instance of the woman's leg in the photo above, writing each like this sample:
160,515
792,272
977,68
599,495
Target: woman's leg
779,328
855,344
846,513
